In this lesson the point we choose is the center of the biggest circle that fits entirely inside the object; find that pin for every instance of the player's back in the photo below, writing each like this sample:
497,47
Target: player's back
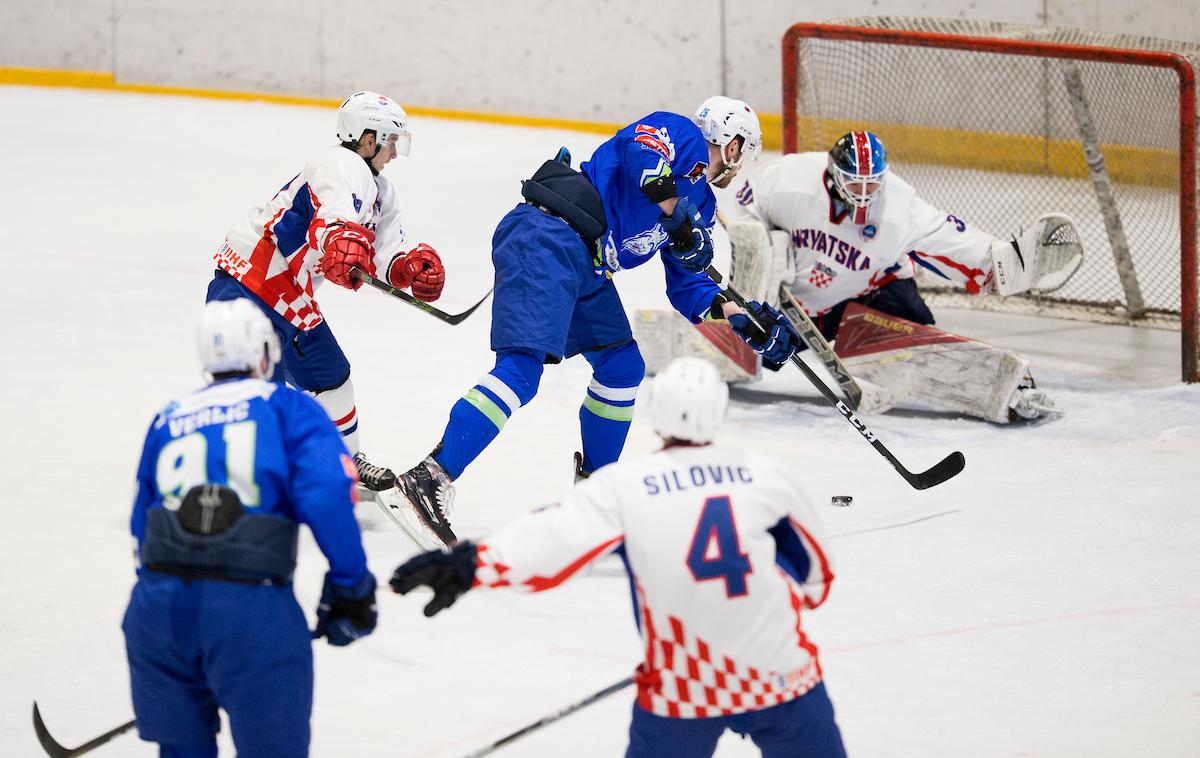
725,551
654,145
236,433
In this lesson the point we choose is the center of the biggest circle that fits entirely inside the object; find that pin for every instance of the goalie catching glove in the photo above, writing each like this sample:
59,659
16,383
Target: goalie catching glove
1041,258
421,269
776,342
347,246
448,574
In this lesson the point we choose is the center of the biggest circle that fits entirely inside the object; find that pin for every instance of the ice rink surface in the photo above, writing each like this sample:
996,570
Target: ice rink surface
1043,603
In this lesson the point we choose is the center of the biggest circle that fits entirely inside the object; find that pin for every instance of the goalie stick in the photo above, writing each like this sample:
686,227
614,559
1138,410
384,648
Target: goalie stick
944,469
55,750
551,718
440,315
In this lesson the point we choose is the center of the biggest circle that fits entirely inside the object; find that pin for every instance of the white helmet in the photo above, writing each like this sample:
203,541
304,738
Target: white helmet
371,110
722,118
234,335
688,400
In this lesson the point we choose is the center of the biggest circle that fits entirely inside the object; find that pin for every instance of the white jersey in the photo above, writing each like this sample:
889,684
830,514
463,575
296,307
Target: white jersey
844,252
724,551
275,250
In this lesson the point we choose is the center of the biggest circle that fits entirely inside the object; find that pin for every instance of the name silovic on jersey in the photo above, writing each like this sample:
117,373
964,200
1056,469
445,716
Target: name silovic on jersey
724,553
274,252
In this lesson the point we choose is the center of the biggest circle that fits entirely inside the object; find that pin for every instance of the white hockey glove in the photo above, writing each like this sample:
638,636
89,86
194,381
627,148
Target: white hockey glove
1040,258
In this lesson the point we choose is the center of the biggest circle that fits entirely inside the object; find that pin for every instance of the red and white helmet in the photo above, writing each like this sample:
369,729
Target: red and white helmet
371,110
234,335
722,118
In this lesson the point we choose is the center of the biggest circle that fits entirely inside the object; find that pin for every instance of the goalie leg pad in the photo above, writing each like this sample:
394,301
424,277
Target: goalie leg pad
665,335
942,371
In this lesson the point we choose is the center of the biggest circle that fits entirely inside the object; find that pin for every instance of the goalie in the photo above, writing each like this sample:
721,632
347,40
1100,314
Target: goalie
845,237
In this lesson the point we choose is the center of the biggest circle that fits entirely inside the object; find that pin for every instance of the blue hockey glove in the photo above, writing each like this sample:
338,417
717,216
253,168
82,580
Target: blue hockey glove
776,342
346,613
691,244
448,574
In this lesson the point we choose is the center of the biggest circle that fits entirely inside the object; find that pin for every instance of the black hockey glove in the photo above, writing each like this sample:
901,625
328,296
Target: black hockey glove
346,613
448,574
691,243
776,342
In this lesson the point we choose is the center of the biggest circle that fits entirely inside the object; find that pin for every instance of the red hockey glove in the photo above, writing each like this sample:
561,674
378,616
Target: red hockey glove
347,246
421,269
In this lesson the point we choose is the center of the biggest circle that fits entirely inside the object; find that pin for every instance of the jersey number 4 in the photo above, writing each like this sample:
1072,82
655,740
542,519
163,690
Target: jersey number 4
715,552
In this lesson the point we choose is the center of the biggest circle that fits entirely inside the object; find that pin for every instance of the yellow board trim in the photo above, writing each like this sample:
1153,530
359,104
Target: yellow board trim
964,148
1000,151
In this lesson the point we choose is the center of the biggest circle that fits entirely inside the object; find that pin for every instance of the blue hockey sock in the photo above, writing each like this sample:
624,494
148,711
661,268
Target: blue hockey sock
477,418
607,409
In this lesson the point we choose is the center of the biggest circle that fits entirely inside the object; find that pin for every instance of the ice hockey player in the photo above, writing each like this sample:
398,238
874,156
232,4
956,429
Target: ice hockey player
645,193
226,476
841,229
337,214
725,554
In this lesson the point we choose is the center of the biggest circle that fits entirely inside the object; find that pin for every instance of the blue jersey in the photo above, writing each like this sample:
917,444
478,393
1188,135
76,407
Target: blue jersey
657,145
274,446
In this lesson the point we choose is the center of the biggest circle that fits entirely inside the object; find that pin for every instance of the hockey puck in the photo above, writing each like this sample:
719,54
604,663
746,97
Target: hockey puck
841,500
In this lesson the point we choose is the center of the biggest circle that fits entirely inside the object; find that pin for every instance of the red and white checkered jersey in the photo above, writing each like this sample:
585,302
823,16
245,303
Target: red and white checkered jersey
725,553
274,251
840,256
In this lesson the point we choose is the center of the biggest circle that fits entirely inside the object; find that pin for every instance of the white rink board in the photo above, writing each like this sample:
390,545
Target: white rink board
1042,603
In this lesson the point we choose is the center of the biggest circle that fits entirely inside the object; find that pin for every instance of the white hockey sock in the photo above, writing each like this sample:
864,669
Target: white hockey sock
339,404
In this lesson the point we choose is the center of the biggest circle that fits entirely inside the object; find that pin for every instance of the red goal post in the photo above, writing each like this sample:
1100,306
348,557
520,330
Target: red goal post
998,123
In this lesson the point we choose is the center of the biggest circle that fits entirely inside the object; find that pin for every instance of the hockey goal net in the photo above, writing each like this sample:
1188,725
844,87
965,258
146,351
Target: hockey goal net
998,123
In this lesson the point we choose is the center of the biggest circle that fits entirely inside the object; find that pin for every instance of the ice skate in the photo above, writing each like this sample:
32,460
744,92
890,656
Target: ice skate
1029,402
372,477
430,491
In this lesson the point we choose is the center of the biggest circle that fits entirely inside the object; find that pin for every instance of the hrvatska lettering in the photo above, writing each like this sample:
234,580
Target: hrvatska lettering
842,252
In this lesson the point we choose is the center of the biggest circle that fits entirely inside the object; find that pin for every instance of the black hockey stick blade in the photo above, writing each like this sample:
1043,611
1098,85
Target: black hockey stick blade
440,315
946,468
551,718
55,750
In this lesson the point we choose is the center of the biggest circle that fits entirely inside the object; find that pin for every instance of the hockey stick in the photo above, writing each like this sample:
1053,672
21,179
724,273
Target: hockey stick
440,315
945,469
55,750
816,342
551,718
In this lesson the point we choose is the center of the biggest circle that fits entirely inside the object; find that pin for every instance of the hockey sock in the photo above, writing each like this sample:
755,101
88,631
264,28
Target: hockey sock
479,415
339,404
607,408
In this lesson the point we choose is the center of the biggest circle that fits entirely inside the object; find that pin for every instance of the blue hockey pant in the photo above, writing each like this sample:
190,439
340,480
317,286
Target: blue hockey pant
548,305
803,727
198,645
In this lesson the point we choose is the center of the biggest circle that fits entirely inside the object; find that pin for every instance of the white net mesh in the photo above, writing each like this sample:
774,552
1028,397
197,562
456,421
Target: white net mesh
999,139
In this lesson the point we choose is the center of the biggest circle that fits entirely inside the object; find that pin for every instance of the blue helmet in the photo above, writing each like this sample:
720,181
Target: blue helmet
858,163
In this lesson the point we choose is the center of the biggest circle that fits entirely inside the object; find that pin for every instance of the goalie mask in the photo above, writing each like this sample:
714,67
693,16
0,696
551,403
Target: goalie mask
234,336
858,166
370,110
